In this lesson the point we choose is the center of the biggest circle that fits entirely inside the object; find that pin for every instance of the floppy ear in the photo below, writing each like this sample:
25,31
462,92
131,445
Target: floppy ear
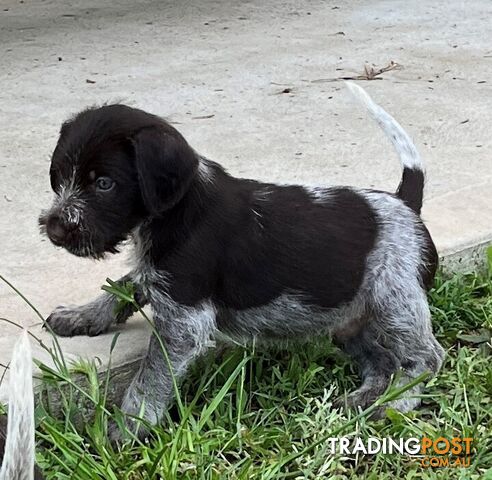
166,165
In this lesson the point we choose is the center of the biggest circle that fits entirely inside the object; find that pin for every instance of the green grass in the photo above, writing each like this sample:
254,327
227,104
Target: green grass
256,414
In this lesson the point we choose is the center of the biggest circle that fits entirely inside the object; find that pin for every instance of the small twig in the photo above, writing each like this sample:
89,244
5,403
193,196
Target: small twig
203,117
370,73
284,90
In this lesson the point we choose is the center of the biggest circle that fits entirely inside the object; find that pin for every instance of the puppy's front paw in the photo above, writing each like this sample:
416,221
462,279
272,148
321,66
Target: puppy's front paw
132,429
115,435
70,321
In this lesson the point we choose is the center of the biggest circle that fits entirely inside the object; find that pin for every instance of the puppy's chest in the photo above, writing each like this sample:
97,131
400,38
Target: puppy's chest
185,278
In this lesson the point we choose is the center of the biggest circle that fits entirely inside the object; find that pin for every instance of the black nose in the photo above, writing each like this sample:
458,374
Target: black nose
56,230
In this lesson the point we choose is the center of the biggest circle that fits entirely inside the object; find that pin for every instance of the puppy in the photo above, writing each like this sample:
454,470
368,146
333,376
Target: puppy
17,433
219,257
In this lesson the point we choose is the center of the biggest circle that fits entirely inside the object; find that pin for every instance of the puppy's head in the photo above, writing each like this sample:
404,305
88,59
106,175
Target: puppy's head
112,168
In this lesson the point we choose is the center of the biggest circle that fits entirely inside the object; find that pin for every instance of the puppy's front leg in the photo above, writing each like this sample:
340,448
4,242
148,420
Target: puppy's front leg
94,317
185,333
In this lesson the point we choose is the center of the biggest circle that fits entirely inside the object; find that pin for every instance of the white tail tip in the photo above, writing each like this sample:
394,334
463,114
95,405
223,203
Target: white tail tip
409,156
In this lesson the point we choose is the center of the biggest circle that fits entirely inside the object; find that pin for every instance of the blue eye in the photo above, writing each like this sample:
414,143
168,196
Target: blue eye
104,184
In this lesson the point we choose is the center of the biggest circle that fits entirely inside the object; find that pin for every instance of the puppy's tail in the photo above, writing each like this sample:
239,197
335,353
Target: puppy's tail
18,462
411,188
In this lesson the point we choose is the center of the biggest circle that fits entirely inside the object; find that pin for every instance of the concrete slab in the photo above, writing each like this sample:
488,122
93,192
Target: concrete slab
217,69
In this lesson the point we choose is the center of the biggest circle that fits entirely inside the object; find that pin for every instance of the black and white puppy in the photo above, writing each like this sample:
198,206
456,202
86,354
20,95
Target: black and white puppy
219,257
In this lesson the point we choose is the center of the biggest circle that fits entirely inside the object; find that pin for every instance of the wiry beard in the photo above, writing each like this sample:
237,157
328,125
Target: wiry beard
85,247
84,251
88,250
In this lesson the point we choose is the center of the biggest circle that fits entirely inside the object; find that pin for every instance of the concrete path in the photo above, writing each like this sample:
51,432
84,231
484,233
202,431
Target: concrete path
248,84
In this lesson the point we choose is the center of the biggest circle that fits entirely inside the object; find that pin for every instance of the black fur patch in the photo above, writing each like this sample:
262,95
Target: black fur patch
243,243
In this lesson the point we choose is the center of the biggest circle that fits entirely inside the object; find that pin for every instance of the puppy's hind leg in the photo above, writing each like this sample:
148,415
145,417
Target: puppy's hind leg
94,317
417,348
395,339
376,364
